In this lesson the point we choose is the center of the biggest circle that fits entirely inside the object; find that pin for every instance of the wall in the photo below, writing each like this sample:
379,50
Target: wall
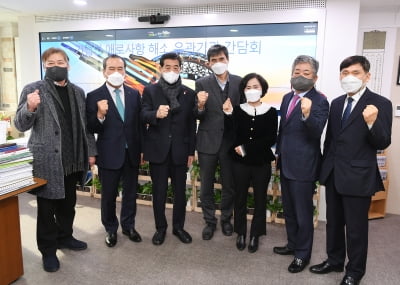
389,21
339,16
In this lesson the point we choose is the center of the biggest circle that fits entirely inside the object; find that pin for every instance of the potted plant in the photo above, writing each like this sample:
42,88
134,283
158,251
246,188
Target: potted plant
276,182
147,190
268,206
195,171
96,184
188,194
170,194
144,169
250,204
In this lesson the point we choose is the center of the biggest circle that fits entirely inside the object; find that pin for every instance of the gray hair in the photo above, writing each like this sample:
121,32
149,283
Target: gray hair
306,59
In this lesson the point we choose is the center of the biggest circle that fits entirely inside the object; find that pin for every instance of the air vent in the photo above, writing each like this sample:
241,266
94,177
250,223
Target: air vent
271,5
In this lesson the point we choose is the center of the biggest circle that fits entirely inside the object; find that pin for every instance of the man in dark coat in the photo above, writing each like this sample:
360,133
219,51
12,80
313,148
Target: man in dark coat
359,124
169,143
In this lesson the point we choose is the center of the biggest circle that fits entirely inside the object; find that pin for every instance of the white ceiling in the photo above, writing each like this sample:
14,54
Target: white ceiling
11,9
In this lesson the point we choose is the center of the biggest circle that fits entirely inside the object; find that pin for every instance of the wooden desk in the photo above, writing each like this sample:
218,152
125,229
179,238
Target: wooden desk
11,266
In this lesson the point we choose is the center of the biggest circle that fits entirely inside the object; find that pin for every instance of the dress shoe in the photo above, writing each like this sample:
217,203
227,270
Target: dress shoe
159,237
208,232
111,239
325,267
50,263
183,235
283,250
253,244
133,235
348,280
297,265
72,244
241,242
227,228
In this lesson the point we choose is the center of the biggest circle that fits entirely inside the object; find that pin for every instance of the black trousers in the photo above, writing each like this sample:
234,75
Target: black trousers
55,217
110,179
297,200
208,164
258,177
347,229
159,173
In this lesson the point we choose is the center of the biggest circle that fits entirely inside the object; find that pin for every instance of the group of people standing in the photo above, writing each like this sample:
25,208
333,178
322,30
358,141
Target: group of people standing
236,131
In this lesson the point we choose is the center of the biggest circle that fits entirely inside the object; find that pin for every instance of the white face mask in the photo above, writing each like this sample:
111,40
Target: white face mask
219,68
351,84
171,77
252,95
115,79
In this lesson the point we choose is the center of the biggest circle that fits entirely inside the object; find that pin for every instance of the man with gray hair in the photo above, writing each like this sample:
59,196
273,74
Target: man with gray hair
304,112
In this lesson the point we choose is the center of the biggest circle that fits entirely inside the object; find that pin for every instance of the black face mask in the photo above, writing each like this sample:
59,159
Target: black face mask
300,83
57,73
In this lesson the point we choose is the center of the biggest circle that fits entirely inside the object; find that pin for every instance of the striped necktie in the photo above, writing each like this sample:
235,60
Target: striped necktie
120,105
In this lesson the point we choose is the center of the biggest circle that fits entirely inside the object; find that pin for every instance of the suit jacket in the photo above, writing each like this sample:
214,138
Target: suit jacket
350,151
45,139
212,127
114,134
174,133
298,143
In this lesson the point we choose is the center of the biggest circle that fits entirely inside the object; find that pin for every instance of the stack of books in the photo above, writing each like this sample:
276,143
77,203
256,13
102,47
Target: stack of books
15,167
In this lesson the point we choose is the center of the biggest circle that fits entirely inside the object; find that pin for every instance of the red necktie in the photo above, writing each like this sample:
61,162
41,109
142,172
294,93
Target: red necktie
292,105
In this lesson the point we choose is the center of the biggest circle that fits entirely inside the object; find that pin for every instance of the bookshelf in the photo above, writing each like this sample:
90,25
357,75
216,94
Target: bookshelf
377,208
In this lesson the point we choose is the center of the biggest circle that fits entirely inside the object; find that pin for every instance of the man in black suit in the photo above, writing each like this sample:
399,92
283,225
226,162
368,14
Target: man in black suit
304,113
216,96
113,113
169,143
359,124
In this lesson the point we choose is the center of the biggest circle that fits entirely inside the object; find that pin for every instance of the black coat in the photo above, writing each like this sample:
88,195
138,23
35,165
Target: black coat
175,133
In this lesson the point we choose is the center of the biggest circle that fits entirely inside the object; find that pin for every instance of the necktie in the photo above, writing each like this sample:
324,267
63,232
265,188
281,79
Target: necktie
120,105
347,111
292,105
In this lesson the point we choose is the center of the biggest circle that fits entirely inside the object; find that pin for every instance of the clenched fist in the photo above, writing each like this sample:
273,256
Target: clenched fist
33,100
305,104
202,97
370,114
162,111
102,108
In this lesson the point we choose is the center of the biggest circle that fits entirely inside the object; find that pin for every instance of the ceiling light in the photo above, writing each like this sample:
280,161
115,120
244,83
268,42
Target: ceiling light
80,2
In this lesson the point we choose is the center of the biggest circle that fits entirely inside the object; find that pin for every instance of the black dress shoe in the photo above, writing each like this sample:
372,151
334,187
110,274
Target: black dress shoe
283,250
241,242
111,239
72,244
50,263
325,267
348,280
159,237
208,232
253,244
297,265
183,235
133,235
227,228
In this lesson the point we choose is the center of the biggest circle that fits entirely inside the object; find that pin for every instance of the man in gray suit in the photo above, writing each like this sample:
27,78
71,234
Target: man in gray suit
54,109
216,96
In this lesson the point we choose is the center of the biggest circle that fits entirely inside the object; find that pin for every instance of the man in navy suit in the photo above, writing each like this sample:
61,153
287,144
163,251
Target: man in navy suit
113,113
360,123
304,112
169,143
